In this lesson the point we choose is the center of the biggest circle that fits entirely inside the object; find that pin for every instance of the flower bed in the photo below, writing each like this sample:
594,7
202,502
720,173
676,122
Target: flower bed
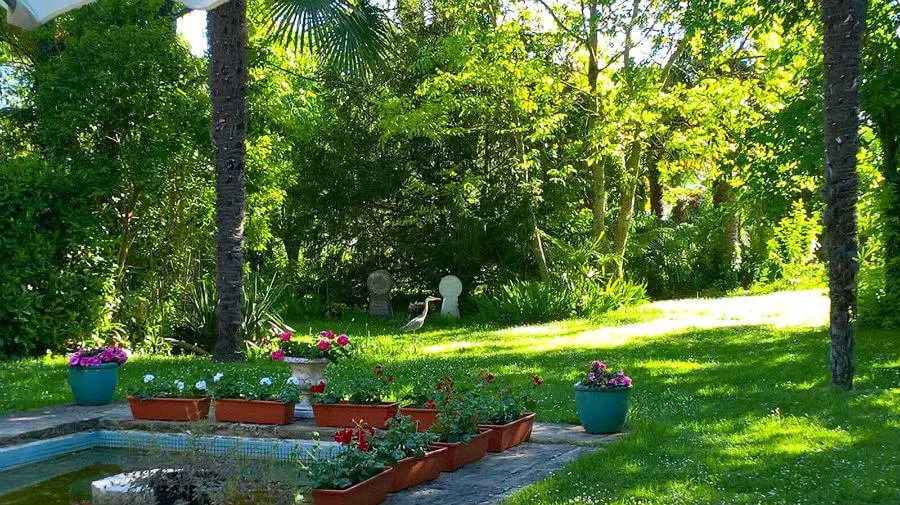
359,400
170,400
248,398
460,454
505,436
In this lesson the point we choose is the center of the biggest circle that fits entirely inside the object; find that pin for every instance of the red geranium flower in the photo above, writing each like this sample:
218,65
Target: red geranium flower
390,378
317,388
429,404
537,380
344,437
489,378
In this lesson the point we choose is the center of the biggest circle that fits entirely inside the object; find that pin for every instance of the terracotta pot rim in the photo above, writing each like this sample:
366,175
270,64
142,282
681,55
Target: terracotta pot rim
167,398
352,488
431,452
244,400
419,409
525,416
356,405
484,432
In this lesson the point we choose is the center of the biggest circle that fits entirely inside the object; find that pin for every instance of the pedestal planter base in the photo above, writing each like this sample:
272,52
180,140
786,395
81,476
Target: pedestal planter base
411,472
309,372
459,454
602,410
423,418
233,410
347,415
368,492
169,409
94,385
504,436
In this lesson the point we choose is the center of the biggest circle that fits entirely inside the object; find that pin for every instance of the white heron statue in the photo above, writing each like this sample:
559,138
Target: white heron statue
417,322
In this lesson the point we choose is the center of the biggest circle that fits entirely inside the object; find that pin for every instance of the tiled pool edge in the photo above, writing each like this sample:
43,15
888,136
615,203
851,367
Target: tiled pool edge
42,450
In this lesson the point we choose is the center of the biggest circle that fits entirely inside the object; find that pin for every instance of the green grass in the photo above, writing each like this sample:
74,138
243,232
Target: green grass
727,407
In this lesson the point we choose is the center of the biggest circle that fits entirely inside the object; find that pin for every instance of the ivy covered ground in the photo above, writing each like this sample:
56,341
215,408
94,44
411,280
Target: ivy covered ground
731,405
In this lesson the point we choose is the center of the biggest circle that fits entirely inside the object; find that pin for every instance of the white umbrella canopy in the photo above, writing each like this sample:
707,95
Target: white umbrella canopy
33,13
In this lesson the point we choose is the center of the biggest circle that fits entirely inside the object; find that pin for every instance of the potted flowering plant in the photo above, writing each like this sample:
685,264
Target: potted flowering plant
179,399
422,405
94,374
361,399
504,410
601,398
256,399
408,451
308,359
457,430
351,475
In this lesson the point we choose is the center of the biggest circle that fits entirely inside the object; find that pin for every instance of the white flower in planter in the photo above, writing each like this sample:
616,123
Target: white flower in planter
149,378
217,377
265,381
179,385
200,385
293,381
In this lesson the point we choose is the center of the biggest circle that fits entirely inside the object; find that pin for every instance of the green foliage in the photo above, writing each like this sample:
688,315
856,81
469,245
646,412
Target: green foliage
792,249
400,440
363,388
341,469
171,385
456,422
251,384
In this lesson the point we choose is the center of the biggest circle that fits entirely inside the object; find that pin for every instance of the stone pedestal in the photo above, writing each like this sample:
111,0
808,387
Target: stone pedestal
380,284
309,372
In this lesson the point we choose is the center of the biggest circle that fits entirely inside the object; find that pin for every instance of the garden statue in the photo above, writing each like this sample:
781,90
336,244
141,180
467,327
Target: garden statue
450,288
418,321
380,284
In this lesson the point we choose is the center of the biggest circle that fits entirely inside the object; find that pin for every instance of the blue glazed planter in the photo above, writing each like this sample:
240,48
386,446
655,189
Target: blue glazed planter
602,410
94,385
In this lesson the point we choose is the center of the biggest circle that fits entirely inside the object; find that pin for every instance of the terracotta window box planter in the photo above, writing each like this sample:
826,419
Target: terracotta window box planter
347,415
459,454
368,492
411,472
169,409
424,418
236,410
504,436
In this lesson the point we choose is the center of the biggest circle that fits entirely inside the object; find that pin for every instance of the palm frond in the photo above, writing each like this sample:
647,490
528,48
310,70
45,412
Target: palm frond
350,36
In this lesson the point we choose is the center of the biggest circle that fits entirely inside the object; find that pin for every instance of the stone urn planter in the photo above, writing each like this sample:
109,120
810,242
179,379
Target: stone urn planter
460,454
505,436
94,385
309,372
371,491
602,410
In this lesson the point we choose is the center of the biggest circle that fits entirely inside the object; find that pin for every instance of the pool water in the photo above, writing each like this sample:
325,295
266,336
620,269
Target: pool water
66,480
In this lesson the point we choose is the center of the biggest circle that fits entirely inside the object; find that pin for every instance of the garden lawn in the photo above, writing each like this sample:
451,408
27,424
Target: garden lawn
731,401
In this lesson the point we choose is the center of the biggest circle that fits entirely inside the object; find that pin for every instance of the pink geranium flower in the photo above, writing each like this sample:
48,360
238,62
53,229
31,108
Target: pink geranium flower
278,355
324,345
343,340
285,336
327,334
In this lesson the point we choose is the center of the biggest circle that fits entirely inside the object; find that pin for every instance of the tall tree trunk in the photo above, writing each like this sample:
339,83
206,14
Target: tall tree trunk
844,21
723,200
654,185
889,135
227,32
537,244
592,163
626,204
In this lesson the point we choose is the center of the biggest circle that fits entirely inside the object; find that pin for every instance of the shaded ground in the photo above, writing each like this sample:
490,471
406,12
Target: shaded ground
731,401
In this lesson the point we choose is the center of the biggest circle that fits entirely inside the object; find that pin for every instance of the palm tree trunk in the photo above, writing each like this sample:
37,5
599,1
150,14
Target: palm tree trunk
227,32
844,21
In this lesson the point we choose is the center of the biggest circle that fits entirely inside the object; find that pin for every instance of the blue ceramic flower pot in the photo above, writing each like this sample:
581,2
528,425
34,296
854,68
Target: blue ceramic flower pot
602,410
94,385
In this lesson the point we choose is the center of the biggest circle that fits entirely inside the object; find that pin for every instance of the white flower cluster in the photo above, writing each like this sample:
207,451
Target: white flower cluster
149,378
265,381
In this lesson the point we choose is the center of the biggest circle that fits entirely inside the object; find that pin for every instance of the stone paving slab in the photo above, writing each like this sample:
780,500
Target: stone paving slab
66,419
494,478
